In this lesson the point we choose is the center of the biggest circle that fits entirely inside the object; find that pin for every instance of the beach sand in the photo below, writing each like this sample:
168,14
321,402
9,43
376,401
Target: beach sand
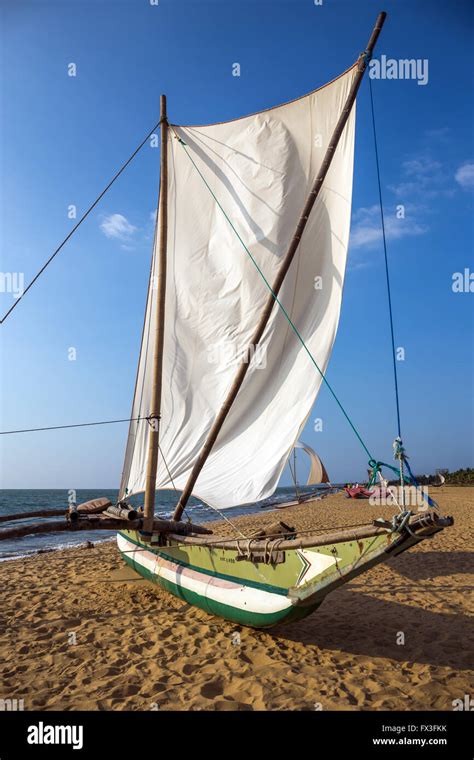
81,631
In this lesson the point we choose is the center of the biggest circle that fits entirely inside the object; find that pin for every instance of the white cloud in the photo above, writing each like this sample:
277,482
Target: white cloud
465,175
118,227
420,167
153,216
422,176
366,229
441,134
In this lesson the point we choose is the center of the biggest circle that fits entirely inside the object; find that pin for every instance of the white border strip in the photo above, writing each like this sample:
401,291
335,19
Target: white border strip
232,594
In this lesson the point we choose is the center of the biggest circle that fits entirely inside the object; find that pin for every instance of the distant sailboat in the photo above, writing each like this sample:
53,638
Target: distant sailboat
317,477
317,473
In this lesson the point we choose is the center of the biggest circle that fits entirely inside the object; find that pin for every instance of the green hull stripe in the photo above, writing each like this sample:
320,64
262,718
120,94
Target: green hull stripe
234,614
211,573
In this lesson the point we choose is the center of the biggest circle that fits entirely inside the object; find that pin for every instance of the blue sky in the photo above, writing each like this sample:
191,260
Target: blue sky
63,138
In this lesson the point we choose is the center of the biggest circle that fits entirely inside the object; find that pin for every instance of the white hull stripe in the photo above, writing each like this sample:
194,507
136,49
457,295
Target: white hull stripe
215,589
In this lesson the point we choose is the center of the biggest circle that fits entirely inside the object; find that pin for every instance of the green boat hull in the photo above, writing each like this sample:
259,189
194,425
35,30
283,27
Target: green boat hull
255,590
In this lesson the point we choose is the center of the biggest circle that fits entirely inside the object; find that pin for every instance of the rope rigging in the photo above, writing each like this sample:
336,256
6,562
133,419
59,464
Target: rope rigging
398,448
387,274
76,425
83,217
375,464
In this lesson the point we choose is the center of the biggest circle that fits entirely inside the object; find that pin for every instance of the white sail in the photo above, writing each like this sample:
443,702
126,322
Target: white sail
260,169
317,471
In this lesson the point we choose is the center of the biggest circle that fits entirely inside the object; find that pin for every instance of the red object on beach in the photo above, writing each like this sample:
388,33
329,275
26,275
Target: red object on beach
357,492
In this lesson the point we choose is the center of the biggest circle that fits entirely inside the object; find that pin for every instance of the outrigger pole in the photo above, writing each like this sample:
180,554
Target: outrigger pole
97,514
155,410
363,62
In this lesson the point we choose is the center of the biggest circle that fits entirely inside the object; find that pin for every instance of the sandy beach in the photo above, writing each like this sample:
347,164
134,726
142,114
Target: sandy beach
80,631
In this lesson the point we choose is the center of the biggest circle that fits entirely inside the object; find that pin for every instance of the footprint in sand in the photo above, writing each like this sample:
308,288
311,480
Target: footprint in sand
213,688
228,704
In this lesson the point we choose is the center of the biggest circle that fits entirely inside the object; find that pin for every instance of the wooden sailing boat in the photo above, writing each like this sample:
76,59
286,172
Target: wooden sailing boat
235,262
252,213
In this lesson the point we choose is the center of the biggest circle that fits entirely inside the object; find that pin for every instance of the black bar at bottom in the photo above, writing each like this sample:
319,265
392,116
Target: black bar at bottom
129,734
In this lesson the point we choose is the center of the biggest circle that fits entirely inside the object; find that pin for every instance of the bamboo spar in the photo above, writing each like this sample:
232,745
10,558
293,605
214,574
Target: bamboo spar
154,416
318,183
102,522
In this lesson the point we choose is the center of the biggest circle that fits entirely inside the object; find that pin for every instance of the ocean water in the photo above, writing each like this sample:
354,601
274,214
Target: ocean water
20,501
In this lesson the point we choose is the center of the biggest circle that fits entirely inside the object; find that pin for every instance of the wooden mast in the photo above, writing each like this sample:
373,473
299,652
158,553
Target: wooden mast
155,410
363,61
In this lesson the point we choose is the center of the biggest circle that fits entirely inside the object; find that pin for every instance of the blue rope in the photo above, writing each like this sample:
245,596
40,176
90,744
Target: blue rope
395,375
366,56
426,497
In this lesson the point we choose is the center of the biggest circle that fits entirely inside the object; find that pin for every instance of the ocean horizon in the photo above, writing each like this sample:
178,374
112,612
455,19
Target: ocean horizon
19,500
